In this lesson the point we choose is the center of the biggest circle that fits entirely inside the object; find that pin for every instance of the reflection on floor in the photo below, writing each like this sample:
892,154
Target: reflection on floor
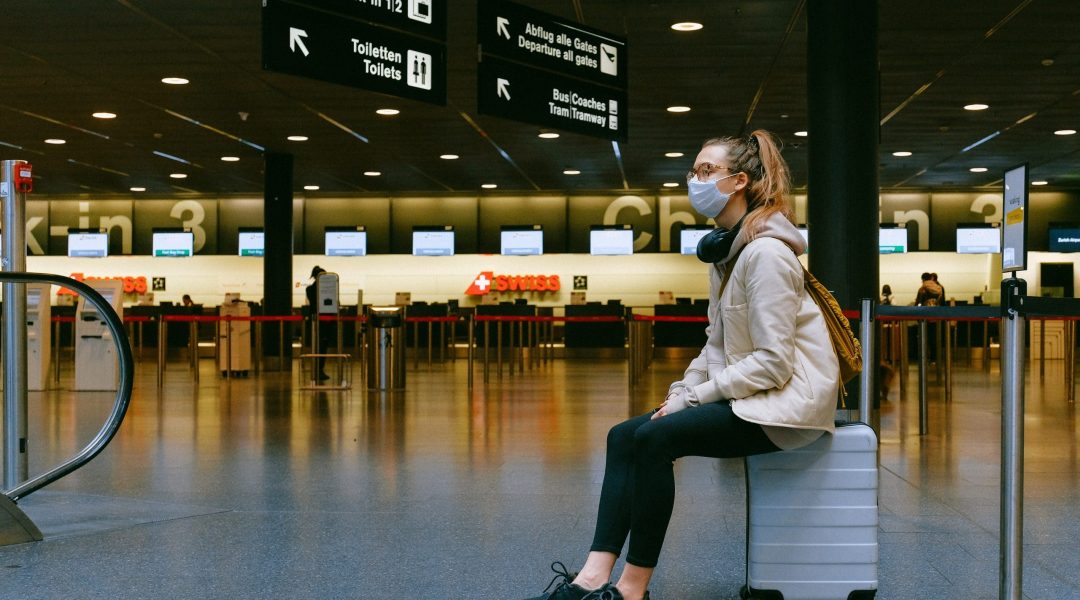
253,488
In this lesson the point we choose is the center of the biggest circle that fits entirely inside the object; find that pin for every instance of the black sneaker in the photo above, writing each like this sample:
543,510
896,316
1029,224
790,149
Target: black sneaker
566,589
608,592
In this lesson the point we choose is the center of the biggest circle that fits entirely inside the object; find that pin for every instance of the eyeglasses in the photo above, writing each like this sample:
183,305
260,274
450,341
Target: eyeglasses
704,171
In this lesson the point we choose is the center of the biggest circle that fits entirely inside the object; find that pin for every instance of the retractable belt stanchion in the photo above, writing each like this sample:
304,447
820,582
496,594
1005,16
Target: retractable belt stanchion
947,326
471,347
923,342
163,330
866,378
193,348
1012,437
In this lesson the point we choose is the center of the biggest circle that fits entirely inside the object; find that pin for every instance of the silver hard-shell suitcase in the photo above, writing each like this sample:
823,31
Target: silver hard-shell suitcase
812,519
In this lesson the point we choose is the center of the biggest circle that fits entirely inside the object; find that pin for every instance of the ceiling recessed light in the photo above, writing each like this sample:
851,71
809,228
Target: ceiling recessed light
230,158
311,188
178,175
174,80
1065,132
387,112
977,169
548,135
801,133
1039,182
976,107
138,189
297,138
571,172
55,141
671,184
673,154
448,156
901,153
678,109
372,173
687,26
104,115
489,186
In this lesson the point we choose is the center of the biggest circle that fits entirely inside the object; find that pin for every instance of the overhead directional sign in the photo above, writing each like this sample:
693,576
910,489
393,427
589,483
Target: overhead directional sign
522,34
421,17
525,94
548,71
313,43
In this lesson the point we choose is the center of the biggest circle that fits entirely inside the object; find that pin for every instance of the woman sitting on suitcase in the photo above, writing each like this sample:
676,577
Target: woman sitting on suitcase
766,380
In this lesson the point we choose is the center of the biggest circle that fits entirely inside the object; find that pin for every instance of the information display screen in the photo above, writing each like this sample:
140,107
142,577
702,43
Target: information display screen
978,239
433,241
690,236
605,241
805,233
85,243
526,240
1064,237
173,243
892,240
251,242
350,241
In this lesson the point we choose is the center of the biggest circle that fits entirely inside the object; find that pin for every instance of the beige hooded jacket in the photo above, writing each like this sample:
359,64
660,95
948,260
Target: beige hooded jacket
768,349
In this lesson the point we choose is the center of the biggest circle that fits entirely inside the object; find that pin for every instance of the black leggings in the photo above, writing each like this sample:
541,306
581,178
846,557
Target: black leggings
639,478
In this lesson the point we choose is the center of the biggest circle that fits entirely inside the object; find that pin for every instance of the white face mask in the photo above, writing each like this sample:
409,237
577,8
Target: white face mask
706,198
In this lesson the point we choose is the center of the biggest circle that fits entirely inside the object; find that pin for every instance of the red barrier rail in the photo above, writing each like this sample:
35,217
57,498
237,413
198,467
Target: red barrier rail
671,319
548,319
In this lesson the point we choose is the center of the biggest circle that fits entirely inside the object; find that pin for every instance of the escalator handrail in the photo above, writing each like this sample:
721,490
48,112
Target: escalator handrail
123,392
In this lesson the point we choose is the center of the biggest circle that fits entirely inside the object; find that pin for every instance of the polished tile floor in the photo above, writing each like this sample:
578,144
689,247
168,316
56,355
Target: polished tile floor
254,488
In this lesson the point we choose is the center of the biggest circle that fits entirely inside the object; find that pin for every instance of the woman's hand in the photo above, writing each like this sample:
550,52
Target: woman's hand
676,400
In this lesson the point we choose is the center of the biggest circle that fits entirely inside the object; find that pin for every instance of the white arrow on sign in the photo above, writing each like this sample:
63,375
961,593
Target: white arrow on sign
295,40
500,26
502,89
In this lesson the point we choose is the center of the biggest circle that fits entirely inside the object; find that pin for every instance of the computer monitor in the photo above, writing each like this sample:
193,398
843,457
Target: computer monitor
690,236
521,240
433,241
804,231
346,241
173,242
978,238
892,239
88,243
611,240
251,242
1064,237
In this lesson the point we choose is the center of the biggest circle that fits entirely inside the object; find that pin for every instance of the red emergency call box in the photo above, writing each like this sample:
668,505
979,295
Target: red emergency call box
24,178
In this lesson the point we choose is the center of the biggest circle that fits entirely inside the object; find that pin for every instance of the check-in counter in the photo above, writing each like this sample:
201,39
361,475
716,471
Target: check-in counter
583,334
674,334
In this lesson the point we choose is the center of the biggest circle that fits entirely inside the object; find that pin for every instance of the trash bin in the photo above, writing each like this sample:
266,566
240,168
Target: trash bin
386,348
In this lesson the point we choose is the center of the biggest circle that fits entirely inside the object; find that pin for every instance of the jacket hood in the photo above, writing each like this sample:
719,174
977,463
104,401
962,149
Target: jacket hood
776,226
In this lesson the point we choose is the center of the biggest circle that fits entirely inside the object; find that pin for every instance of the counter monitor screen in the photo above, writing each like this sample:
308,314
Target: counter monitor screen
174,243
805,233
85,243
433,241
690,236
892,240
1064,237
251,242
609,241
343,241
526,240
978,239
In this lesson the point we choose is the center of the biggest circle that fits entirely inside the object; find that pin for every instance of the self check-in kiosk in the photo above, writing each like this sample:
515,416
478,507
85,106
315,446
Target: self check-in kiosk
38,335
234,337
96,366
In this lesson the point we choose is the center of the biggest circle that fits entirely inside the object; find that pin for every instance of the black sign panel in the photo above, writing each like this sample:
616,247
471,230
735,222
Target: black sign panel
533,96
318,45
421,17
521,34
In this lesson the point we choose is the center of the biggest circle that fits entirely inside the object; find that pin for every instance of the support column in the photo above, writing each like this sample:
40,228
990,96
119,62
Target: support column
843,125
278,254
